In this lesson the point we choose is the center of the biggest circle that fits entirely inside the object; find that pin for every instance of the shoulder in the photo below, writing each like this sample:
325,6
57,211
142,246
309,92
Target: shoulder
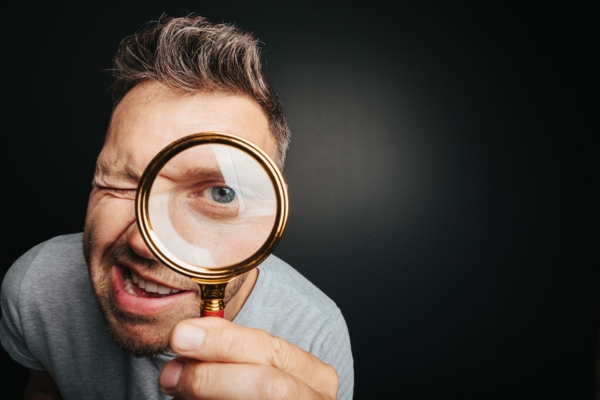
38,262
280,281
287,304
36,284
37,291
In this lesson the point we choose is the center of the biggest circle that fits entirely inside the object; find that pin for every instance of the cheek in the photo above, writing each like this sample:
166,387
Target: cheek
244,241
109,218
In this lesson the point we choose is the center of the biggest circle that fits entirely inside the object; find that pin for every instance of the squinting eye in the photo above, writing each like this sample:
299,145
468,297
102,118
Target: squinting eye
222,194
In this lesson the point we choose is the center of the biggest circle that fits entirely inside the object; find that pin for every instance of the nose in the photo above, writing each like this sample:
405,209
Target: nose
137,243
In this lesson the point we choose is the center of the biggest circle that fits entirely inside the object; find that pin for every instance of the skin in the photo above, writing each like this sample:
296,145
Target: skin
219,359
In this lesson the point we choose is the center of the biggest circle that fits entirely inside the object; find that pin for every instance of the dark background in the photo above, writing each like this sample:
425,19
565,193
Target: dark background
439,173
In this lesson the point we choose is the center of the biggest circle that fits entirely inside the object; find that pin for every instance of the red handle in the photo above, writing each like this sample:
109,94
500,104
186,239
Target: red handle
207,313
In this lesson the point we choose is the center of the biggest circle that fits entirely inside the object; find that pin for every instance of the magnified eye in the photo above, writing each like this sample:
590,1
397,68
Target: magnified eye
212,199
222,194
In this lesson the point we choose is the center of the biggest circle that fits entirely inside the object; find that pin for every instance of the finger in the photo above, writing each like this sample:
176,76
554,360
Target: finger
219,340
204,380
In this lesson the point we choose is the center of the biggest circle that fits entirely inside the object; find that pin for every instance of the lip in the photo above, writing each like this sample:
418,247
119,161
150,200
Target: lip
142,305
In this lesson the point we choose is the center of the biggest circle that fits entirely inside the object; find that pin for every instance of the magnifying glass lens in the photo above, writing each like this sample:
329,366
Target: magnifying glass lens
212,205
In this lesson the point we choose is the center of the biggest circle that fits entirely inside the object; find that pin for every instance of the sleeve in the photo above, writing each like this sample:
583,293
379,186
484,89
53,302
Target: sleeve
12,336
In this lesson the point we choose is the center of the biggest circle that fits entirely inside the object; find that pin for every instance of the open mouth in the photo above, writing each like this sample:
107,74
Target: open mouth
140,287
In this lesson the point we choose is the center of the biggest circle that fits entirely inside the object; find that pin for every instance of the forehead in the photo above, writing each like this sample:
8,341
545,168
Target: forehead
149,117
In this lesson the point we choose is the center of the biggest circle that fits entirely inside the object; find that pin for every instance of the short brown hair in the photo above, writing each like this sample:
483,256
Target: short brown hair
192,54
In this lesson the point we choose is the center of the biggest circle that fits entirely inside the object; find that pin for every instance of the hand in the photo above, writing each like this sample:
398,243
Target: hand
220,359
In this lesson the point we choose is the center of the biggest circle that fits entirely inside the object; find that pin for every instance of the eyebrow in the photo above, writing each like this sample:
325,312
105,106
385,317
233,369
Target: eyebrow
127,174
189,172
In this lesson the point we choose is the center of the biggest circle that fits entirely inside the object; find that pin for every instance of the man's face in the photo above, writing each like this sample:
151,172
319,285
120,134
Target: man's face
147,119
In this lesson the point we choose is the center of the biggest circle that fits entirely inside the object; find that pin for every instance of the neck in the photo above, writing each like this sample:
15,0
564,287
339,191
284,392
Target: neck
238,300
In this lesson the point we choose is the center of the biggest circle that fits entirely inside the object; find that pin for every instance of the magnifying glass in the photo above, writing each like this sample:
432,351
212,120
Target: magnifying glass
211,206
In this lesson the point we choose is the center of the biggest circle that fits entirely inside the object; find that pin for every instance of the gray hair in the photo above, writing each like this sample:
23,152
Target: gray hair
191,54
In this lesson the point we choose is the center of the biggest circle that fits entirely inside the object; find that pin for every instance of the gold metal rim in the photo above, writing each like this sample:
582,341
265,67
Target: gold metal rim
202,274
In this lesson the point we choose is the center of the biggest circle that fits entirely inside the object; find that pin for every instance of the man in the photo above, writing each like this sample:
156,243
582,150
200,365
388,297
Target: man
84,335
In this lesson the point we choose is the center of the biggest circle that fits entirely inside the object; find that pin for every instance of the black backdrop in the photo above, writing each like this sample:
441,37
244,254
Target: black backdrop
439,173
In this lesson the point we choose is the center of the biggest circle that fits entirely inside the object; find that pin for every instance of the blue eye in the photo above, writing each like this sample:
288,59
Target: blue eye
222,194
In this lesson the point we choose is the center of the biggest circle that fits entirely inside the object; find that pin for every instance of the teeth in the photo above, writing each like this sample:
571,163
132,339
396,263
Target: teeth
148,286
129,285
163,290
151,287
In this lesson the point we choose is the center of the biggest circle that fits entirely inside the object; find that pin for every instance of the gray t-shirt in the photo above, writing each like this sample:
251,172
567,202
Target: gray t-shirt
51,321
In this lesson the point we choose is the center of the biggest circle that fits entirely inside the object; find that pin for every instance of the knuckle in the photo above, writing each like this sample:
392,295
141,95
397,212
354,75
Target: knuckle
284,387
227,345
280,353
331,380
199,380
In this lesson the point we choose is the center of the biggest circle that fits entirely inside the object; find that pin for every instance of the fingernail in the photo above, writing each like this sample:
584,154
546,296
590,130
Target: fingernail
169,377
188,337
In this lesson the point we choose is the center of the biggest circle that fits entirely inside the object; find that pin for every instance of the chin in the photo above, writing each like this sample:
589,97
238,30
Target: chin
143,336
140,342
139,335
